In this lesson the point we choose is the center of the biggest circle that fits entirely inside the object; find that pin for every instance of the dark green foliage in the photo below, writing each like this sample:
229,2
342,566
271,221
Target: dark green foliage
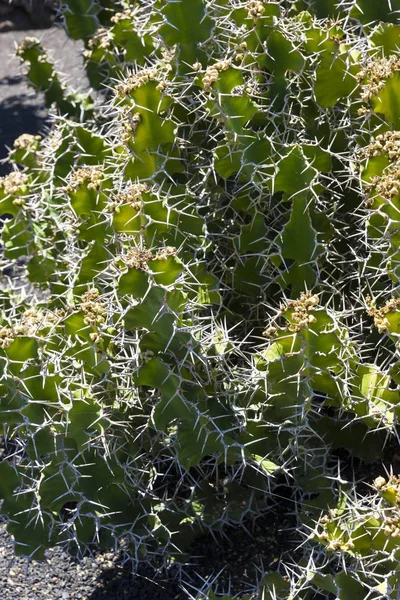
214,267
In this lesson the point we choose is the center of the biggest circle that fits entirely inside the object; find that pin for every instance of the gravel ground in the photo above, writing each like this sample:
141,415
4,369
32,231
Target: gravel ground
238,559
61,578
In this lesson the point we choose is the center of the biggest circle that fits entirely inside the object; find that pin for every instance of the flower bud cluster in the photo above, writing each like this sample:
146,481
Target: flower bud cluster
26,141
300,316
379,314
128,13
129,122
392,524
95,311
342,543
392,484
131,195
333,543
270,332
101,39
164,253
212,73
89,176
139,258
146,356
373,77
392,519
387,185
12,183
7,336
387,143
255,9
27,44
301,311
31,321
136,81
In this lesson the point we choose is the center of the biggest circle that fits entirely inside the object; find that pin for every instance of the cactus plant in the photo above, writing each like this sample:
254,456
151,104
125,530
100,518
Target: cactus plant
42,76
214,300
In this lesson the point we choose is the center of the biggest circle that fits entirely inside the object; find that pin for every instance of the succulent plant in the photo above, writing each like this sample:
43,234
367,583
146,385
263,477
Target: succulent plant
212,254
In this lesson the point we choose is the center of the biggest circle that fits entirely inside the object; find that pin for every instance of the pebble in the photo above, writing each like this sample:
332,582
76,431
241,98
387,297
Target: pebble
62,578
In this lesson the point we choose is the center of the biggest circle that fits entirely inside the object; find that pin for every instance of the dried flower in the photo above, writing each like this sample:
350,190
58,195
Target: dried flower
27,44
212,73
93,308
13,183
89,176
374,75
379,314
26,141
138,259
7,336
136,81
255,9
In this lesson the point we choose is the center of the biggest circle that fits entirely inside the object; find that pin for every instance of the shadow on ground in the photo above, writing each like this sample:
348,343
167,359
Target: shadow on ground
19,113
231,561
21,109
117,583
17,18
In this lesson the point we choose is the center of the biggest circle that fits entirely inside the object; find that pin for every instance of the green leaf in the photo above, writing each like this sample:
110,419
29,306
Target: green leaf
154,373
160,336
319,158
18,238
186,22
325,8
134,46
369,12
31,529
22,349
85,419
253,236
282,55
293,175
227,161
350,588
152,130
299,240
42,442
387,38
75,325
55,488
235,109
127,219
324,582
266,465
166,271
333,77
93,263
9,479
145,313
196,442
134,283
373,383
173,406
81,18
387,102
